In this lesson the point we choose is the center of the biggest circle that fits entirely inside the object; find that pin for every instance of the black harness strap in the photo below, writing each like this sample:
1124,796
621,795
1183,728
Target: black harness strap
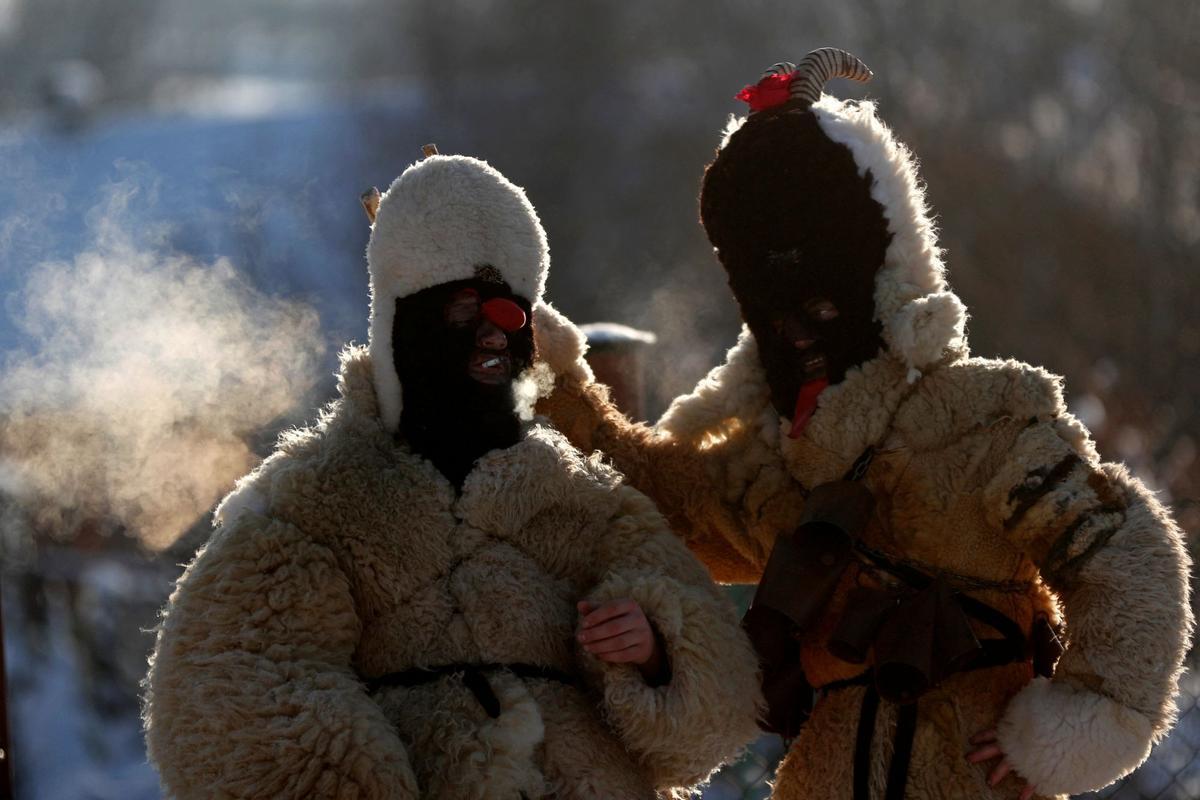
862,743
906,729
474,678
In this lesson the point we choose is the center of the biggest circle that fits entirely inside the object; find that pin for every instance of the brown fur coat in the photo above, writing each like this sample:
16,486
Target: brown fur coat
344,558
981,476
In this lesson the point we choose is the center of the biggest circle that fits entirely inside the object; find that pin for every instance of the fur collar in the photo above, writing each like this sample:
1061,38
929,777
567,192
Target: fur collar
876,405
519,480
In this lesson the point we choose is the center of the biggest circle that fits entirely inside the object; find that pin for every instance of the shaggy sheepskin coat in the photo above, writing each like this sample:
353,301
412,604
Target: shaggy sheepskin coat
981,477
345,557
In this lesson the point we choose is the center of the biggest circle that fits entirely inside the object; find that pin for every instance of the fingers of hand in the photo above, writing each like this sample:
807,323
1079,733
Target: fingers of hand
984,753
991,749
638,654
1002,769
602,612
630,636
983,737
615,627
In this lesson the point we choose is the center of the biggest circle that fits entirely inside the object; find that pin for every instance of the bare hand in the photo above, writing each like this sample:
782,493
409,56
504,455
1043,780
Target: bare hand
989,749
619,633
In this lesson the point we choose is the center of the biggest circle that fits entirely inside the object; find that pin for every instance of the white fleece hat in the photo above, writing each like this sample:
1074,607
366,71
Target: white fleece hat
922,318
446,218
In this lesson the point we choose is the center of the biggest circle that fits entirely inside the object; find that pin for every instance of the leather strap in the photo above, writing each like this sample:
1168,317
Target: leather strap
906,730
862,743
474,678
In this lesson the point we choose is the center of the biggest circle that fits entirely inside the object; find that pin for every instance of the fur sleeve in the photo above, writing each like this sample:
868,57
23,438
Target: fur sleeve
718,487
250,691
1117,562
703,492
707,712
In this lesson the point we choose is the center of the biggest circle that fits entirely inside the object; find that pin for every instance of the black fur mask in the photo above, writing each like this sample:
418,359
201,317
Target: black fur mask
447,416
793,222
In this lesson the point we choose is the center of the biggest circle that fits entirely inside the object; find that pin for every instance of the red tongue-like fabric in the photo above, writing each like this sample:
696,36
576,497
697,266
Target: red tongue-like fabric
806,404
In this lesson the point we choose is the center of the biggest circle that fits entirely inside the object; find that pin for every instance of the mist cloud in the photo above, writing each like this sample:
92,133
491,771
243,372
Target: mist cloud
144,372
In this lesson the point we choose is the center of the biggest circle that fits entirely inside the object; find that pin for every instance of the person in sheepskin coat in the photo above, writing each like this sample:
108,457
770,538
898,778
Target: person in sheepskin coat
923,522
425,596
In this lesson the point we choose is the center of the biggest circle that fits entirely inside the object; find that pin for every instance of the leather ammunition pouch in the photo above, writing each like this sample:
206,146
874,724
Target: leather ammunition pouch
923,640
800,577
804,569
806,565
866,609
786,690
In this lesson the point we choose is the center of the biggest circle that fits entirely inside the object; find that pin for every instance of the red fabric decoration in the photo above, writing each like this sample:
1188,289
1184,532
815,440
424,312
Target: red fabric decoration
806,405
772,90
504,314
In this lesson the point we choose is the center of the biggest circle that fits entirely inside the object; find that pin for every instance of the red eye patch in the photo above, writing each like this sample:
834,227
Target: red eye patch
504,314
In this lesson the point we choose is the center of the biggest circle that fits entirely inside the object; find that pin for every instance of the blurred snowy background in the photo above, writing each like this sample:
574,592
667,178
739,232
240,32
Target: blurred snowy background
181,254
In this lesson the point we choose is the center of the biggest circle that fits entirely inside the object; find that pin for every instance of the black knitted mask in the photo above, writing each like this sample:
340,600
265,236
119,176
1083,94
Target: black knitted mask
447,416
801,238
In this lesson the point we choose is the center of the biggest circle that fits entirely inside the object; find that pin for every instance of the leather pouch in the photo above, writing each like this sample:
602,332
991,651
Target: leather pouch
904,648
805,566
854,636
955,643
786,690
803,571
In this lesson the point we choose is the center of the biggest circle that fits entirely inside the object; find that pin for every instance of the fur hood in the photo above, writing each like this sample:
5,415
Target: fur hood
440,221
923,320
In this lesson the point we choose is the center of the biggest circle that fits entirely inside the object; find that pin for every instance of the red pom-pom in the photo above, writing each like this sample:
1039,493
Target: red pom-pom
772,90
504,314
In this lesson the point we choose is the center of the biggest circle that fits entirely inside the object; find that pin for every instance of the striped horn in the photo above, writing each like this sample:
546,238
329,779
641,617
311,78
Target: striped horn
810,77
782,68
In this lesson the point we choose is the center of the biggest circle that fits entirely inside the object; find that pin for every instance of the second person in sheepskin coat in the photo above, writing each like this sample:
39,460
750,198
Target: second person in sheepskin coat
953,508
348,559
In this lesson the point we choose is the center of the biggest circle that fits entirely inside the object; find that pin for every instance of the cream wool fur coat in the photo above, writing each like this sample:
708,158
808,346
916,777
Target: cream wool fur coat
344,558
981,475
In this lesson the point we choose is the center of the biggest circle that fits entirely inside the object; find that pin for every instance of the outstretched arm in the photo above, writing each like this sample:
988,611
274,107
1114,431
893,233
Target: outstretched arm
1117,562
703,489
251,692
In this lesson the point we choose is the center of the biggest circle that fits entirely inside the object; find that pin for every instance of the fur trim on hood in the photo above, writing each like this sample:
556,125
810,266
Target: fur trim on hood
443,218
923,320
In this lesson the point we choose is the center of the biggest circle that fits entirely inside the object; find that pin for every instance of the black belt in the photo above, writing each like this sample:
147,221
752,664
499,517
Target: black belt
473,677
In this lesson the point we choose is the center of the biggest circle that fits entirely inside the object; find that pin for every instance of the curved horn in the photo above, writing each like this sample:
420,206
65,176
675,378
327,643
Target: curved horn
819,66
781,68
